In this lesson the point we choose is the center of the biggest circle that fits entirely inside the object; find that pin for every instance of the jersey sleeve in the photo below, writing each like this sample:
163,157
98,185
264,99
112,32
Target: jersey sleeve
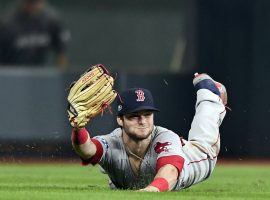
108,151
108,146
168,145
81,136
102,146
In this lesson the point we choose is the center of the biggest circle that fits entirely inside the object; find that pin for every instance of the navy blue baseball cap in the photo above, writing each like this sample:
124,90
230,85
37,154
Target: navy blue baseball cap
134,100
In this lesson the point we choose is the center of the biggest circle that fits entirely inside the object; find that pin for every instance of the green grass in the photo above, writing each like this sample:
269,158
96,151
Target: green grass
71,181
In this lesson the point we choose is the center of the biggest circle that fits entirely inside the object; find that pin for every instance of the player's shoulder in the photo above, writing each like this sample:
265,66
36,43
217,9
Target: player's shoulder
161,131
114,135
164,140
113,138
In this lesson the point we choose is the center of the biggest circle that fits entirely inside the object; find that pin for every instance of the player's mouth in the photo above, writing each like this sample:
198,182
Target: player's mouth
142,128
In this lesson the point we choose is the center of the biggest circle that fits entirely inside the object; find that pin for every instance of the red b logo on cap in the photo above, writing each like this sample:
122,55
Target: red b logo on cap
140,95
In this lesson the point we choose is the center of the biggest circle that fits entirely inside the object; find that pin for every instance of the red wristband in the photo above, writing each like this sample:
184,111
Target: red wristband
160,183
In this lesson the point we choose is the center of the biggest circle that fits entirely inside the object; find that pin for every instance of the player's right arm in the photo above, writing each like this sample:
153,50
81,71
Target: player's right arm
82,143
89,96
169,164
89,149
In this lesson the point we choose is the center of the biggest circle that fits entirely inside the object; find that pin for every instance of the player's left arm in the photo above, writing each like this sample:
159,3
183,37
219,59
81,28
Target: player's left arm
169,163
164,180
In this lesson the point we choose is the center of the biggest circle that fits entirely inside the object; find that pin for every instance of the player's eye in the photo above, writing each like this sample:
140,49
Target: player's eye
135,116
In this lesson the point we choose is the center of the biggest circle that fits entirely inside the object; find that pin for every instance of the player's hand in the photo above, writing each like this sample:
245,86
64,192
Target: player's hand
149,189
204,81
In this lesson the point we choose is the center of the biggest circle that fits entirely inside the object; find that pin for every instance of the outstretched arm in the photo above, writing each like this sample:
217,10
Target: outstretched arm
89,149
88,97
82,143
168,167
164,180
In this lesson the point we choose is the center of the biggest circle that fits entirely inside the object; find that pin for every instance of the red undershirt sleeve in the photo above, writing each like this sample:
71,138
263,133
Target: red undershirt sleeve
174,160
95,158
80,137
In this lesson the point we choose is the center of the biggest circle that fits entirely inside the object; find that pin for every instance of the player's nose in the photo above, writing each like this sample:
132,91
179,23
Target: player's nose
142,119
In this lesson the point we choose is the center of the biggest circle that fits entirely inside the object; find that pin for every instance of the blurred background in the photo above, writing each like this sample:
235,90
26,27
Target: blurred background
156,44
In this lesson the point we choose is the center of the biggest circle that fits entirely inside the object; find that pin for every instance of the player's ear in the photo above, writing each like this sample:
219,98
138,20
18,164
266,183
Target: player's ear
120,121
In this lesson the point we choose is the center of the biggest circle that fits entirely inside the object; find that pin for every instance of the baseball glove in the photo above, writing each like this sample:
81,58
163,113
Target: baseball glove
90,95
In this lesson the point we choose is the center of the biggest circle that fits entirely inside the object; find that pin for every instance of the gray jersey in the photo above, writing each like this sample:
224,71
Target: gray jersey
164,144
195,159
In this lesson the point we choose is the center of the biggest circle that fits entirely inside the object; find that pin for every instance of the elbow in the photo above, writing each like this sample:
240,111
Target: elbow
86,150
169,172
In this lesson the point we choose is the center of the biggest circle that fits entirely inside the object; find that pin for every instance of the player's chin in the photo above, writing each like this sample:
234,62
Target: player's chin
141,137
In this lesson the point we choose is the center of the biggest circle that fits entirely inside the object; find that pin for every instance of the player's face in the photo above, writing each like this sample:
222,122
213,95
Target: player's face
138,125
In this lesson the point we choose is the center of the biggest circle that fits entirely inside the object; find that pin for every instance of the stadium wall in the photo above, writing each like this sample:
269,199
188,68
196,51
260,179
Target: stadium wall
34,119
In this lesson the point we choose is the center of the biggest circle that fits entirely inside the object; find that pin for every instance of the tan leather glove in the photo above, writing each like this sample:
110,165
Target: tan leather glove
90,95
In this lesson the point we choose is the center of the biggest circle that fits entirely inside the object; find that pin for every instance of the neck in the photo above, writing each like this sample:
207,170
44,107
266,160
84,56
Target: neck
137,147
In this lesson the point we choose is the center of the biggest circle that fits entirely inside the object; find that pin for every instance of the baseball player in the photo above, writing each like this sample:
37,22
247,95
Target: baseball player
142,156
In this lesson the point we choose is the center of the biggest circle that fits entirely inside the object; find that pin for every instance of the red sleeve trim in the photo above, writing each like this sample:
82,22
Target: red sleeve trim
79,136
95,158
175,160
